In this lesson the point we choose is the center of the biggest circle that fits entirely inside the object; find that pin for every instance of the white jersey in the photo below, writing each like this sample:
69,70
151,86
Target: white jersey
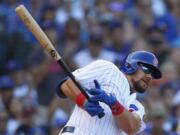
112,80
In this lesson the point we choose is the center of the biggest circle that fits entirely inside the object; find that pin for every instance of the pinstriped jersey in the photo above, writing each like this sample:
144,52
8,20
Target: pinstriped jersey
112,80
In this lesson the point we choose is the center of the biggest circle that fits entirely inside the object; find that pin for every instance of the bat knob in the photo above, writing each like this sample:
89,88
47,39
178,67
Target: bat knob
101,115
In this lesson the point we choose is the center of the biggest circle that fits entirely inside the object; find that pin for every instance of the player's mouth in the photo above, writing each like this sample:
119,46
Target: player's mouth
145,83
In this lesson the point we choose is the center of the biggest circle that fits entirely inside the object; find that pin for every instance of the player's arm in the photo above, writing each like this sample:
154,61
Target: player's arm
128,121
67,88
137,110
131,116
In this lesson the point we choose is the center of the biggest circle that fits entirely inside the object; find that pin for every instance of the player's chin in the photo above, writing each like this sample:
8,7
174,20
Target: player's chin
140,87
142,90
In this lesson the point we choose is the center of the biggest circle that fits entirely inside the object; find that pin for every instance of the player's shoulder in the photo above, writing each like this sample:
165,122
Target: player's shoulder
110,66
102,61
97,65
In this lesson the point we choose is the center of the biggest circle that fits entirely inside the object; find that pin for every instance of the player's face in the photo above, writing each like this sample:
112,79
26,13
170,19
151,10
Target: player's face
141,79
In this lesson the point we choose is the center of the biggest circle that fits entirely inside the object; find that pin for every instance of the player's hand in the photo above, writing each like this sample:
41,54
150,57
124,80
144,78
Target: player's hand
93,108
110,100
101,95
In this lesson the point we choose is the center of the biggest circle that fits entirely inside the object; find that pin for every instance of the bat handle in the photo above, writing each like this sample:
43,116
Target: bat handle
67,70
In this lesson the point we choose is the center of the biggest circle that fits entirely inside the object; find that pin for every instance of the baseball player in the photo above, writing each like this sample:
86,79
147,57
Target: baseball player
111,91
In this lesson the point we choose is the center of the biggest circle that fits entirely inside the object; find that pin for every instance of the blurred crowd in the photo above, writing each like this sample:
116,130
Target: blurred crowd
83,31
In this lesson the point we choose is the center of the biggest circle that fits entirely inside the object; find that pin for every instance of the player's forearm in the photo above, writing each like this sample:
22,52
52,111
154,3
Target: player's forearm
128,121
70,90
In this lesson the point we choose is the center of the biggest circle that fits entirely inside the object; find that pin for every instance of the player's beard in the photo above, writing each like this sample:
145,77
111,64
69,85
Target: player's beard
138,87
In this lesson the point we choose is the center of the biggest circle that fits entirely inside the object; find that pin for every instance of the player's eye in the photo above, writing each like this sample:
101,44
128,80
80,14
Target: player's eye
145,69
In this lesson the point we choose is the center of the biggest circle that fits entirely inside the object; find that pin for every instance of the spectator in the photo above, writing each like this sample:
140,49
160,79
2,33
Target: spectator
94,51
3,121
158,118
6,90
70,41
118,44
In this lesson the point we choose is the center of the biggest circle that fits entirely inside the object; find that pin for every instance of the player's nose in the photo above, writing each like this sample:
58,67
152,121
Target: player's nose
149,77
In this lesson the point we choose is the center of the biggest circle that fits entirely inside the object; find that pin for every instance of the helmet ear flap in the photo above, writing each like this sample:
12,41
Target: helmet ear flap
130,68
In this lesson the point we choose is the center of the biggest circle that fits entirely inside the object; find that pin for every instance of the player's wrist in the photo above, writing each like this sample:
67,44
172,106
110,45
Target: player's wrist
117,108
80,100
111,100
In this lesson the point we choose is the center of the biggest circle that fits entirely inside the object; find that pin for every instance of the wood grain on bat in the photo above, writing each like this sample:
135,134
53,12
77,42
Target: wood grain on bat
32,25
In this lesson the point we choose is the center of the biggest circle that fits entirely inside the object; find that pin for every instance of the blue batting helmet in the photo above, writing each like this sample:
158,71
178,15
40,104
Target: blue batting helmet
148,59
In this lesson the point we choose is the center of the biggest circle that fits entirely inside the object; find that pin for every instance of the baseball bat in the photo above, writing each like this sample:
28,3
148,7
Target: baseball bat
46,44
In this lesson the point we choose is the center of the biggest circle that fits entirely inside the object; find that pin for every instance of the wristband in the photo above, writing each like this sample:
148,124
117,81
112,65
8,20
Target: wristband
80,99
117,109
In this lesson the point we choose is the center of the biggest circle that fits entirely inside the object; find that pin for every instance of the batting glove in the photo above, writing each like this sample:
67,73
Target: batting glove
92,107
102,96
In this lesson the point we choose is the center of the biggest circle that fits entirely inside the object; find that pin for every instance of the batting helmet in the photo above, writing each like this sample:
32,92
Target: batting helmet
148,59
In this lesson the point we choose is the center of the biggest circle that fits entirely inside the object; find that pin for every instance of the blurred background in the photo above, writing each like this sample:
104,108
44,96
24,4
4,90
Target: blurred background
83,31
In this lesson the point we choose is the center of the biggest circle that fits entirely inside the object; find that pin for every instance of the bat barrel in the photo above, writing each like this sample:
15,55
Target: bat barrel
32,25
